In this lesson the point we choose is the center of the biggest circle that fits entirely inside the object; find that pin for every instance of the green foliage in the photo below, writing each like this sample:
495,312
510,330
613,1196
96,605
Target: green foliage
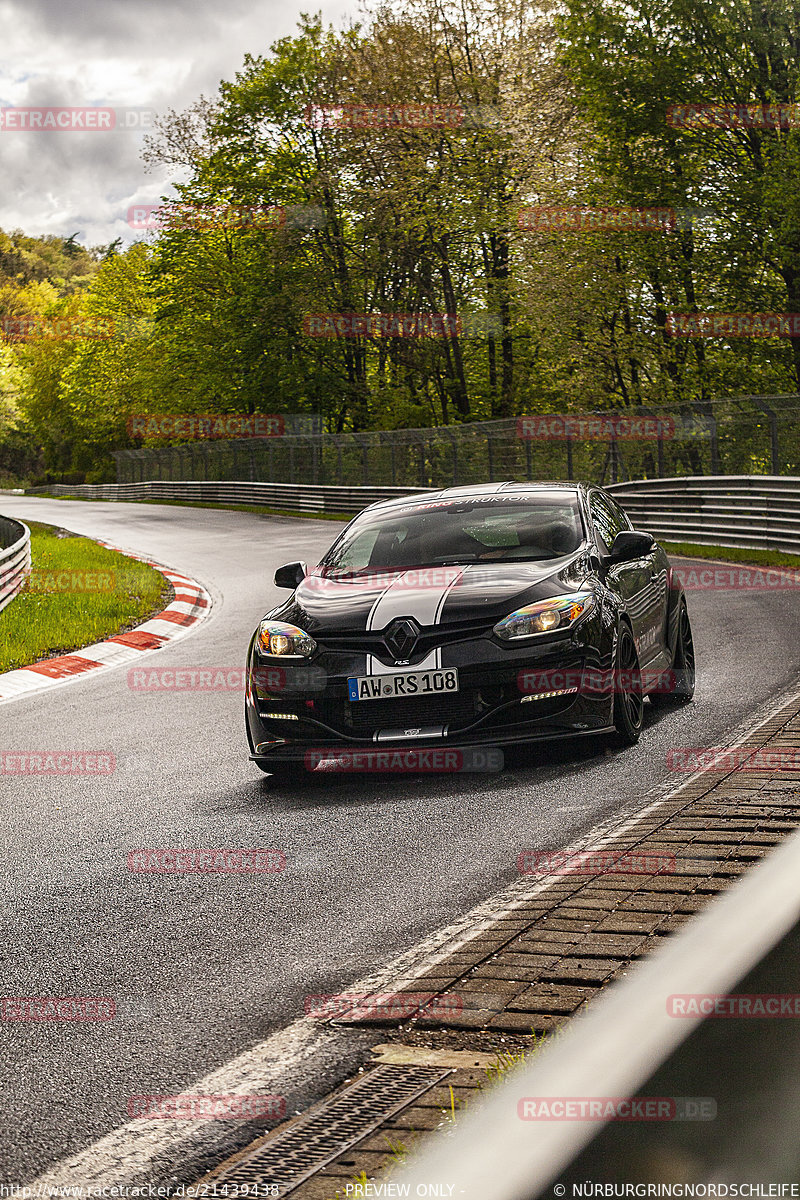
564,105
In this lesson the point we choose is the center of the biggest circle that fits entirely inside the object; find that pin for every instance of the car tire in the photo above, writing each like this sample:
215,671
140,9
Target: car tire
628,699
681,685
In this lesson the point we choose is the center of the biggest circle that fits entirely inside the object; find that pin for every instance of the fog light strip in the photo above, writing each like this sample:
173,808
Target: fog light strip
548,695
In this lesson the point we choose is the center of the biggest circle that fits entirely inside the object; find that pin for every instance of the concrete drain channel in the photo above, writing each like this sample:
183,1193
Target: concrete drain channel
285,1158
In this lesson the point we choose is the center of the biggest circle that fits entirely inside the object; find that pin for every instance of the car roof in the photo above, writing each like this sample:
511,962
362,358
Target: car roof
480,489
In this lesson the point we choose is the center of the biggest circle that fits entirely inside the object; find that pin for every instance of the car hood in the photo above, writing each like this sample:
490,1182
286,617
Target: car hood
431,595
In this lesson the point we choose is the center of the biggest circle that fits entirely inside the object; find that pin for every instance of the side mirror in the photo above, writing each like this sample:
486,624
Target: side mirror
290,576
630,544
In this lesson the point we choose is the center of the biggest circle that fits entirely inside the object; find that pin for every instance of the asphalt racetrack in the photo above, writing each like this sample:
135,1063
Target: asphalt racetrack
203,967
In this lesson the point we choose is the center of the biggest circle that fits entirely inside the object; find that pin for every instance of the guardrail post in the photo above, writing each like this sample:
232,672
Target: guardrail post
711,420
773,433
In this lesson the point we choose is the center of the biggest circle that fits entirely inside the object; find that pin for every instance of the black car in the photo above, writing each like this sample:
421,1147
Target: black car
472,617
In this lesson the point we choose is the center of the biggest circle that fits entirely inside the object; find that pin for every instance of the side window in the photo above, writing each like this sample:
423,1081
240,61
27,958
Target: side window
618,513
608,519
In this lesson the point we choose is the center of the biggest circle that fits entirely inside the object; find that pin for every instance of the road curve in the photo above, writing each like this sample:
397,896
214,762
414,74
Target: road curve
204,967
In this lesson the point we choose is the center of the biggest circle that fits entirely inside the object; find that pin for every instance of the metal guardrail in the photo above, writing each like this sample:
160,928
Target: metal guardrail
15,558
625,1041
755,511
298,497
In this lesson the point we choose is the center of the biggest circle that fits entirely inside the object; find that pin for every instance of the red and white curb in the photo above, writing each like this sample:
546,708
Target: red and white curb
191,605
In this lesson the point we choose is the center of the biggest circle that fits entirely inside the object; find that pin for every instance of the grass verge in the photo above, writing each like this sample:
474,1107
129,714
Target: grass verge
755,558
78,593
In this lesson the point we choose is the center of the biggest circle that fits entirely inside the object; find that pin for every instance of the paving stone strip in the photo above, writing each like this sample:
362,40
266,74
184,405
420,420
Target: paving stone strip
546,958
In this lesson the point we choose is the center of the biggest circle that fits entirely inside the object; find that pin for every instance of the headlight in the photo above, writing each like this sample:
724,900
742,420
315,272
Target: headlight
279,640
546,616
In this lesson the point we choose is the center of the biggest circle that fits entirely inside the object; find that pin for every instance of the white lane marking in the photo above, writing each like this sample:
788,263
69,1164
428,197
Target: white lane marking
131,1153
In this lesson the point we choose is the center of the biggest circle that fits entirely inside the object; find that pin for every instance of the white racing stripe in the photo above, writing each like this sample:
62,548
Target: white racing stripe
419,593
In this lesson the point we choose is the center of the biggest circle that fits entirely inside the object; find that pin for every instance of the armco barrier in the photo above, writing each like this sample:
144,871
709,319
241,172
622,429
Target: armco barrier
756,511
15,558
752,511
292,497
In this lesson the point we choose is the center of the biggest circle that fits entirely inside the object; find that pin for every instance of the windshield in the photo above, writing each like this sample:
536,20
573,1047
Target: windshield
531,528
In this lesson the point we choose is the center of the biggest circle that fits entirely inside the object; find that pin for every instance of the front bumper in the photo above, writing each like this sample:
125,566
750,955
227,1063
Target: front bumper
295,712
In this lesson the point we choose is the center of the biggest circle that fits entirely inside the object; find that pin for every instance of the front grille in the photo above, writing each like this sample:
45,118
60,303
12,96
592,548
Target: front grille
430,638
455,708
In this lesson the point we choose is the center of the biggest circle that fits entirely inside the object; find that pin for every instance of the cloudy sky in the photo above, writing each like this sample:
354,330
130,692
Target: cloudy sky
147,55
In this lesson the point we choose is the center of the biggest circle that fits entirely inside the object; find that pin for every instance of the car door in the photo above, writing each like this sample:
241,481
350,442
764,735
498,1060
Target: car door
637,582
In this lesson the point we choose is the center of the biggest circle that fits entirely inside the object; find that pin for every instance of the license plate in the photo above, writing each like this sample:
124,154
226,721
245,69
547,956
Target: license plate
410,683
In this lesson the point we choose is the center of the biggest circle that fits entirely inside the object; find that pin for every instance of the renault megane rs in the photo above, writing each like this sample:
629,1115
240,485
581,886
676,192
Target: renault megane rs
474,616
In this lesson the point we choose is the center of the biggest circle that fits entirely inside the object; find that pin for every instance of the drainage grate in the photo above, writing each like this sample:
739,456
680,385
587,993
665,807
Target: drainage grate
286,1159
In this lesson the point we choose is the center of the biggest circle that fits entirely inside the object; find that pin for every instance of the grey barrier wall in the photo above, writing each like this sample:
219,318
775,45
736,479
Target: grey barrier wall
758,511
304,498
15,558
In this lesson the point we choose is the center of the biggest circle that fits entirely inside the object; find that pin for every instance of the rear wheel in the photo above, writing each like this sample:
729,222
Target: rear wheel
680,683
628,698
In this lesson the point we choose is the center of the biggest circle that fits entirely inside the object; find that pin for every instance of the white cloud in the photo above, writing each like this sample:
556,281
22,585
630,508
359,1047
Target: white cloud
146,55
